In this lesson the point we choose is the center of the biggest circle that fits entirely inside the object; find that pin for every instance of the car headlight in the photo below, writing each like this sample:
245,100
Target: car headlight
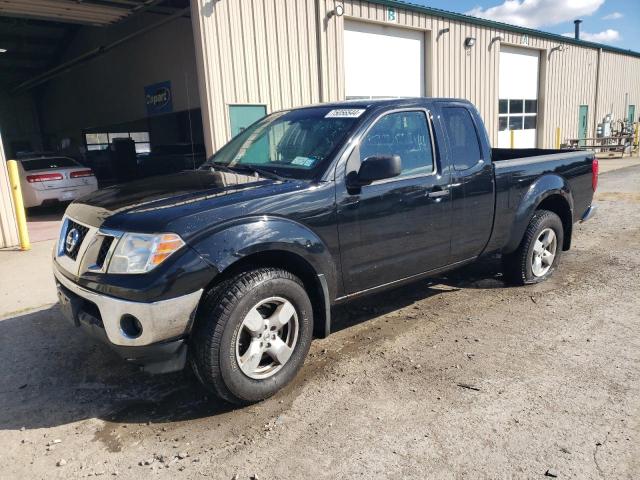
142,252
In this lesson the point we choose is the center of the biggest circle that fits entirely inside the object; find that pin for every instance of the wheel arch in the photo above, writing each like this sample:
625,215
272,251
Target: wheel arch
558,204
276,243
549,192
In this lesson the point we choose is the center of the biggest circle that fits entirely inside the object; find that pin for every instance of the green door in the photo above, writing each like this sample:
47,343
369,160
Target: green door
582,124
632,114
241,116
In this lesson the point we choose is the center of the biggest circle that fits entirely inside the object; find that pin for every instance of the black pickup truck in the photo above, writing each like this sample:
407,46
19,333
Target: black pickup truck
234,267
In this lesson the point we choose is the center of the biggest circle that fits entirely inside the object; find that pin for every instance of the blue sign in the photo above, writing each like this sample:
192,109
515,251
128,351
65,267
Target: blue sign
158,98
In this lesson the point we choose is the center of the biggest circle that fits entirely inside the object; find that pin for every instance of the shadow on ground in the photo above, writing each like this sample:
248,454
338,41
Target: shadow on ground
47,213
55,375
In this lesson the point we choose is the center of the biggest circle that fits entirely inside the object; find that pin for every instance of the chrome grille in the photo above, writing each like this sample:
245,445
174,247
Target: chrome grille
75,246
104,251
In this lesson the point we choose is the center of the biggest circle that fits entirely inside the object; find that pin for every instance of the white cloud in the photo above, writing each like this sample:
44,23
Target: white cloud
537,13
613,16
606,36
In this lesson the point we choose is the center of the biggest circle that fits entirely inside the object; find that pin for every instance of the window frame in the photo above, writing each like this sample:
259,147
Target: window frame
399,178
120,135
524,114
477,132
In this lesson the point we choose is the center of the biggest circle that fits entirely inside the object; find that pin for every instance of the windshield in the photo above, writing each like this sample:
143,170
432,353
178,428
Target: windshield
295,143
48,163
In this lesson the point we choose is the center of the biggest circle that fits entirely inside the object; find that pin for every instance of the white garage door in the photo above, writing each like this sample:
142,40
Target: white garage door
383,61
518,94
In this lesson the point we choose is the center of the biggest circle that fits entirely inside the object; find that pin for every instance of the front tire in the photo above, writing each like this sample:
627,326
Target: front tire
252,335
538,255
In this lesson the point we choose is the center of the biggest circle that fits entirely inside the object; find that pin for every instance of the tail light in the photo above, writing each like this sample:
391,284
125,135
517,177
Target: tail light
595,167
82,173
44,177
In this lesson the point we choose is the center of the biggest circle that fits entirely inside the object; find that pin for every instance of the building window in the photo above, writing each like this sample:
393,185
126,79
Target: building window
101,141
517,114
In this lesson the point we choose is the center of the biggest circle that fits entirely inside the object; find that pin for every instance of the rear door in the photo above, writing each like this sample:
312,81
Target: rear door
582,124
472,182
397,227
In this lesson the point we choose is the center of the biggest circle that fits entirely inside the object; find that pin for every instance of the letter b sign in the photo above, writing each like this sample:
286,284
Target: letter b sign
392,15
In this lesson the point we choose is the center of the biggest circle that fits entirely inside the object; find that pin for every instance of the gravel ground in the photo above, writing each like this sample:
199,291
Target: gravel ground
457,377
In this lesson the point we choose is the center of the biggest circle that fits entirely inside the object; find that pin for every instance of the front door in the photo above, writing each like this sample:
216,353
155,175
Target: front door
398,227
582,124
631,117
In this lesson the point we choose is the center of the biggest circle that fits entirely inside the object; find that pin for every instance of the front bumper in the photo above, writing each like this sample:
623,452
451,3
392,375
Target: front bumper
159,346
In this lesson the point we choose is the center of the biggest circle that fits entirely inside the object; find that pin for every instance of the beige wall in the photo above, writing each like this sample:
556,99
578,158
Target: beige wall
261,52
284,53
619,74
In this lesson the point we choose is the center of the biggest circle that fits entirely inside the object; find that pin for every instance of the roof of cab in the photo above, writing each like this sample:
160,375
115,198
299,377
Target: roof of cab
367,103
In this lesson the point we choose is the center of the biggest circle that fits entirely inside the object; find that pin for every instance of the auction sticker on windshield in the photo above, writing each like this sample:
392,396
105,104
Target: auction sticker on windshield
345,113
303,161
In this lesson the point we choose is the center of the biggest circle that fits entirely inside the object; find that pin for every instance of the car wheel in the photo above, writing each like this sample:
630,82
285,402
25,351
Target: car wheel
539,252
252,335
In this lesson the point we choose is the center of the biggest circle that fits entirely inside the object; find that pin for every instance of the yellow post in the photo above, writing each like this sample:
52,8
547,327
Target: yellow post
512,134
558,138
14,181
637,130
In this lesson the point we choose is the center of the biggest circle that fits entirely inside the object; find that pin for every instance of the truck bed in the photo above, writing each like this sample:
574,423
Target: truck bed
500,154
517,169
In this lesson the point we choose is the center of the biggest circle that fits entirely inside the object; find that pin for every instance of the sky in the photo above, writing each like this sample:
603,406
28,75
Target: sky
612,22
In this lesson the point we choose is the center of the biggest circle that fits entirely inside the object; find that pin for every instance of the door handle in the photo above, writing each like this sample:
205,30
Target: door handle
438,193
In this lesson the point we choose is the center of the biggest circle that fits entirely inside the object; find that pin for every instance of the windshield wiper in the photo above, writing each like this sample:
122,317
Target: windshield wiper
248,168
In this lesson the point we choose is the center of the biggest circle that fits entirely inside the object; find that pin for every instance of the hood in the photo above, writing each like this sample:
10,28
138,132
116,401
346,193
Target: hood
150,204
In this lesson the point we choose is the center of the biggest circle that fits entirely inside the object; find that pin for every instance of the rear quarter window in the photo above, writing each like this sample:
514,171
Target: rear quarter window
463,137
48,163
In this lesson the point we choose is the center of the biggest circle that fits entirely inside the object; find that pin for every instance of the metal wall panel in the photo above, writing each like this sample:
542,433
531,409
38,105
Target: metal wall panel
284,53
256,52
619,74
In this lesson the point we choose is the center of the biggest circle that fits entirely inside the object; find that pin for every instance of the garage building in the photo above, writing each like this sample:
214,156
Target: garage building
229,62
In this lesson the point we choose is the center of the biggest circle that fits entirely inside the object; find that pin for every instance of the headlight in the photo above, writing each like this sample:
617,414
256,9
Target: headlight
141,252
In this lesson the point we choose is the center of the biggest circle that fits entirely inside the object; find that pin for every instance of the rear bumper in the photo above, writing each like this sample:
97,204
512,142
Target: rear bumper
590,212
33,197
159,347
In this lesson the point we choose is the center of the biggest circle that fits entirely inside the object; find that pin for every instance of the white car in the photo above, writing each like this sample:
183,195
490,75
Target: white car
54,179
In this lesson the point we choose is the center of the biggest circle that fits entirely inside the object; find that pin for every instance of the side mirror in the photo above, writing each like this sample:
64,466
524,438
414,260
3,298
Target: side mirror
378,168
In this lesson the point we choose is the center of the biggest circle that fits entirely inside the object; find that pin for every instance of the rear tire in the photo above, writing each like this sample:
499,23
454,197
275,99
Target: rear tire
538,255
252,335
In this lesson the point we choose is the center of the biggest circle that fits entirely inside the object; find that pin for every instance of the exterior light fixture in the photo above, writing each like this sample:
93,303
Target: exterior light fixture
338,11
558,48
469,42
442,32
497,38
3,50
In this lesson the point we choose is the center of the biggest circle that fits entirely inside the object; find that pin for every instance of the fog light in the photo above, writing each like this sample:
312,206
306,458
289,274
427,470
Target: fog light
130,326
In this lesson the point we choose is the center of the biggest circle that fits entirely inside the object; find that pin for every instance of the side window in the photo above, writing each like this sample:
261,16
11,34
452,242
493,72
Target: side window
463,137
405,134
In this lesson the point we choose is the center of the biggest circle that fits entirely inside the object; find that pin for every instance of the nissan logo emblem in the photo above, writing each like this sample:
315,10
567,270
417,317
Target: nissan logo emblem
72,240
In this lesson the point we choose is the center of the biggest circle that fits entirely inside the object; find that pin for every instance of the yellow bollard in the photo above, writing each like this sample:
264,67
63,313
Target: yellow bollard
637,130
14,181
512,137
557,138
